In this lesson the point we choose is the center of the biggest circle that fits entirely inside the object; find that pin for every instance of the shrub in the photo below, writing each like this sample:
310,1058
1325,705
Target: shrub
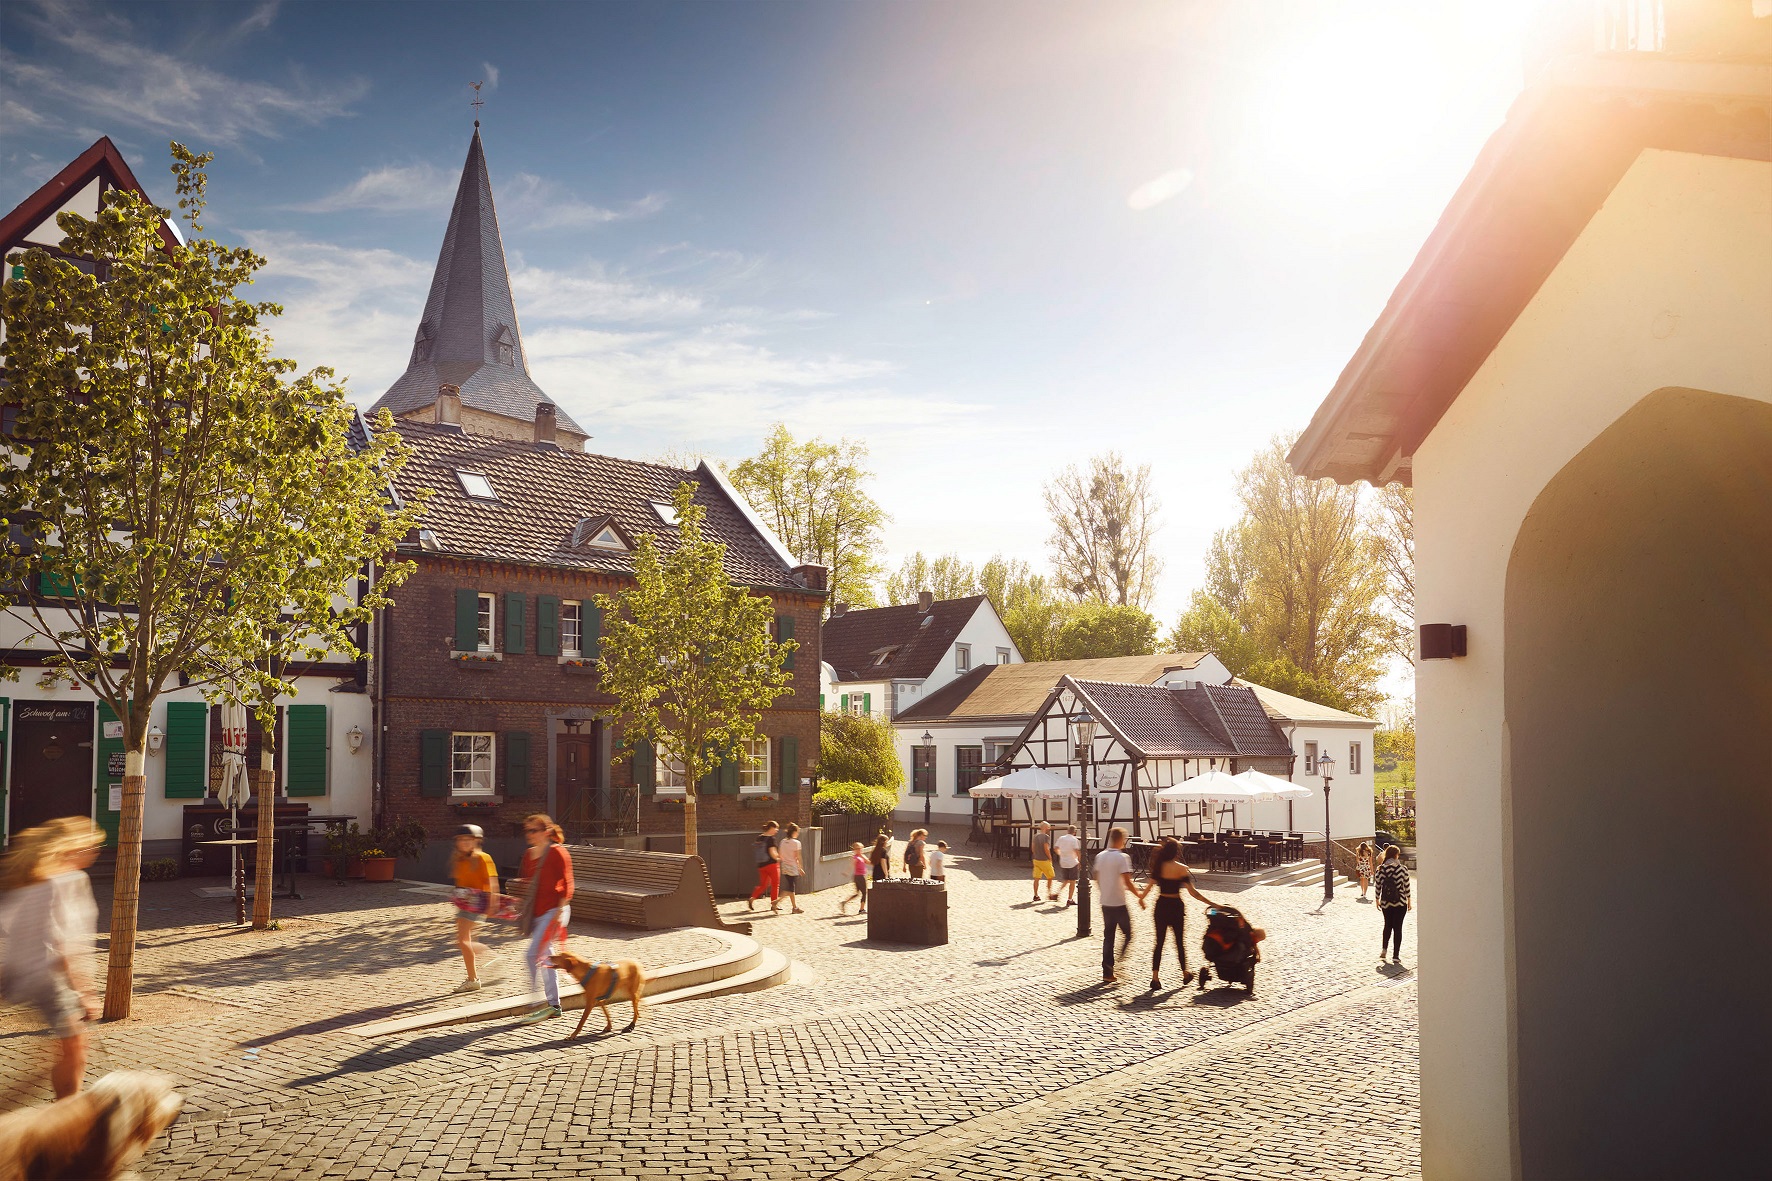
160,869
853,749
400,840
853,799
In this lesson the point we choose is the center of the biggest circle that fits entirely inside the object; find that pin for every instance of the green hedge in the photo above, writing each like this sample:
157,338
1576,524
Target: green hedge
853,799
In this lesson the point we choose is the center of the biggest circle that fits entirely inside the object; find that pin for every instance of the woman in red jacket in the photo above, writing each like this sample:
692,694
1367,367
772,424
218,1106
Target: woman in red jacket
547,874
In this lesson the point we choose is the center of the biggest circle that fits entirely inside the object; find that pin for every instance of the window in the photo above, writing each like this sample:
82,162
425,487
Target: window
476,485
1310,758
485,641
753,771
671,777
968,768
666,511
1353,758
470,765
571,627
923,770
962,657
1002,656
859,704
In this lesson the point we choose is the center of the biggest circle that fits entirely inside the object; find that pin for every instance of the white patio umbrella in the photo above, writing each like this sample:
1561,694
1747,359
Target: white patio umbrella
1272,787
1210,785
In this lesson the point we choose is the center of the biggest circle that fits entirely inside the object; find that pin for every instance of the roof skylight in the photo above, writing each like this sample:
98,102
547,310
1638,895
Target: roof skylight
476,485
666,512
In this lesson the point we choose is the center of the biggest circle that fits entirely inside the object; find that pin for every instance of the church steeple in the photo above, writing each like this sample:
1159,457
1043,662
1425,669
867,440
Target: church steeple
468,336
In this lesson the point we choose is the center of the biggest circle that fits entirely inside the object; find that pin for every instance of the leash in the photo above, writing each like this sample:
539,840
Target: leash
614,982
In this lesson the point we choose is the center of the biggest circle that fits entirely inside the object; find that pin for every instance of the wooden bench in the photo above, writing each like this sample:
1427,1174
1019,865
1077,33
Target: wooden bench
652,891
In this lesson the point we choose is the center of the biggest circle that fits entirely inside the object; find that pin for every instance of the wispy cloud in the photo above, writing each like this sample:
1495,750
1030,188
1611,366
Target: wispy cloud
392,188
99,68
491,72
526,200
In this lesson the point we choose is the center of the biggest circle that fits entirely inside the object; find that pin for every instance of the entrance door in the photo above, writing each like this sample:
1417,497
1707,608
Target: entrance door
51,762
575,782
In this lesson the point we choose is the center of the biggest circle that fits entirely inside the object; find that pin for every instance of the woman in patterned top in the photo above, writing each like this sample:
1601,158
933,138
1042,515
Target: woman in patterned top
1394,902
1363,858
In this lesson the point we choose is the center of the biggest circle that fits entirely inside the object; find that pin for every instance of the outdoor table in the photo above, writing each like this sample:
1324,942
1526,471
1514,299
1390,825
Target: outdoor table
239,882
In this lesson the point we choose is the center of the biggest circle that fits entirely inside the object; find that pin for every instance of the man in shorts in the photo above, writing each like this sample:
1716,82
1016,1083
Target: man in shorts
1070,856
1041,847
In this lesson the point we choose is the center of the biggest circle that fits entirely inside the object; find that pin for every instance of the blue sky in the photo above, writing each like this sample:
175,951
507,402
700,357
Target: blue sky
989,239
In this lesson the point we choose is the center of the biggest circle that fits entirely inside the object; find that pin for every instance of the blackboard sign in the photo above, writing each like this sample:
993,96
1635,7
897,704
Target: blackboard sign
115,765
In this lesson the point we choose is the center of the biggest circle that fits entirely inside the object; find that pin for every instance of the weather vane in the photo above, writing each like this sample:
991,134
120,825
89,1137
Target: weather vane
478,102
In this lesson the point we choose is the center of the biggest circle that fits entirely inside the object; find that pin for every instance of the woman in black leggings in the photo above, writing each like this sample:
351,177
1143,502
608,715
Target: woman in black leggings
1394,902
1169,877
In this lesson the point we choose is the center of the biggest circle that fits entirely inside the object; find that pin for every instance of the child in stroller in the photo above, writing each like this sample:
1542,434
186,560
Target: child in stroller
1231,946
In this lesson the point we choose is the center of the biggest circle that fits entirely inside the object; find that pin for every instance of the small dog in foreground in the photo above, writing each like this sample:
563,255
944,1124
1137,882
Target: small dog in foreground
99,1133
603,983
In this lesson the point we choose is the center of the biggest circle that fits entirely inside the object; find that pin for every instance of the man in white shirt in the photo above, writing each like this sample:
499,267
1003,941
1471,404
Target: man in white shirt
1113,878
1070,855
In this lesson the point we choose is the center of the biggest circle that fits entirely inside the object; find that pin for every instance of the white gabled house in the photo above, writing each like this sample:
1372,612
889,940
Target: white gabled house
886,659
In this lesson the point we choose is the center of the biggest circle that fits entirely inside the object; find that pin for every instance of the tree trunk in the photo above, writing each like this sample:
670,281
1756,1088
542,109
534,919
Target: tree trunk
264,876
126,890
689,830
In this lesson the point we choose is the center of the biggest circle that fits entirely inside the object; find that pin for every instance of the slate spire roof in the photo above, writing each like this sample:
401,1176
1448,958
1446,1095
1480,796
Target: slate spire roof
468,336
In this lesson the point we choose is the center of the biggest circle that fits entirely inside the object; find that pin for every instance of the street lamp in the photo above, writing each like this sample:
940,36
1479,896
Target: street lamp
929,771
1083,740
1325,765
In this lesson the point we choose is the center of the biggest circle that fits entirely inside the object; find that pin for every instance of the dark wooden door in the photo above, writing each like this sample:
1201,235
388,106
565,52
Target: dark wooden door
51,762
575,780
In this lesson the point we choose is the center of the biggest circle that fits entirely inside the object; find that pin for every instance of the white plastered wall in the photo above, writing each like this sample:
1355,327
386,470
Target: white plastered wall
1670,284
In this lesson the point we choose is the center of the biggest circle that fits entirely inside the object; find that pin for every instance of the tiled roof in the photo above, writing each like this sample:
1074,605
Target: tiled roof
544,494
1287,708
1202,721
1018,690
913,642
469,317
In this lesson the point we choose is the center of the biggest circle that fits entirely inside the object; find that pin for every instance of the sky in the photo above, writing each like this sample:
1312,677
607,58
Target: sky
987,239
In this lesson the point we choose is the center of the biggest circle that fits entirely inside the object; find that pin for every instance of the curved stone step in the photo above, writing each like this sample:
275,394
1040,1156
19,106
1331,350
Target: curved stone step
774,968
739,960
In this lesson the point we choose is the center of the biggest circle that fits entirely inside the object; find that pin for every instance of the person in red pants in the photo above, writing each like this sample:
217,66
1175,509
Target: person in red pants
768,852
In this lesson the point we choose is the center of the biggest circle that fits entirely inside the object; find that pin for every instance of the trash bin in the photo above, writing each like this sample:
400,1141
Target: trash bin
903,911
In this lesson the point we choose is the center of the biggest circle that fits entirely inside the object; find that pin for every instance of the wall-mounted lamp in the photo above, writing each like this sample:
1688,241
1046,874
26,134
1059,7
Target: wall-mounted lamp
354,736
156,737
1443,641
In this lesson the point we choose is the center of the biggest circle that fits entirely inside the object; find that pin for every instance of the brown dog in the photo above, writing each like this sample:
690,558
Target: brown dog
99,1133
602,983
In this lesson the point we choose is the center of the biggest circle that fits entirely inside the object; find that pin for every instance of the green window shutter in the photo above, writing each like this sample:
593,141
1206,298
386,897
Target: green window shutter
514,622
467,620
433,763
729,777
784,630
54,586
590,643
787,765
547,625
709,784
844,700
516,760
306,737
187,750
645,767
107,747
867,705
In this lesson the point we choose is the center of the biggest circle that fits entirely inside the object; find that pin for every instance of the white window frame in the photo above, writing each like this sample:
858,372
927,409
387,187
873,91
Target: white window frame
755,766
670,777
465,477
488,625
1310,758
466,762
1002,656
574,610
1353,758
962,658
858,705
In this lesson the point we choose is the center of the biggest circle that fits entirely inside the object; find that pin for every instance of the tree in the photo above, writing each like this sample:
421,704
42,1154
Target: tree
1391,527
173,499
856,749
1030,605
1293,593
946,577
1091,631
1103,522
688,656
813,495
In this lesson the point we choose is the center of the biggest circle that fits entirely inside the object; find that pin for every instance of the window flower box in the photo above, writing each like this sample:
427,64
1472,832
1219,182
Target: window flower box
579,664
477,659
669,803
752,801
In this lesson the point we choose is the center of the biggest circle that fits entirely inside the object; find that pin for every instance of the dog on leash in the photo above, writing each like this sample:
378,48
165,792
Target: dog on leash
99,1133
601,983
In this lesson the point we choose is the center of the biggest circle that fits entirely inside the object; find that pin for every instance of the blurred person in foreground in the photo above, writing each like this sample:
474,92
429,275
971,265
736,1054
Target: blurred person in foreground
49,923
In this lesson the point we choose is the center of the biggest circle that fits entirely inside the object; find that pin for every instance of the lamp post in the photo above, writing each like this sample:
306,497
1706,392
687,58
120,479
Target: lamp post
1083,741
929,769
1326,765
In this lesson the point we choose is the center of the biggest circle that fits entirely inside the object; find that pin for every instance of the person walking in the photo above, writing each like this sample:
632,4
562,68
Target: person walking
858,870
938,862
476,882
1393,900
1169,877
49,925
916,863
881,857
1363,866
792,869
767,851
1040,845
1069,847
1113,881
546,874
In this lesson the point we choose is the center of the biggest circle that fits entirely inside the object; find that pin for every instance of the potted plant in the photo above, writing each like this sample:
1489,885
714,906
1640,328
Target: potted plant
377,865
342,845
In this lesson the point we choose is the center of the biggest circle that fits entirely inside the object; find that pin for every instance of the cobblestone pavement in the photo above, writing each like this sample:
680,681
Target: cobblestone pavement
999,1055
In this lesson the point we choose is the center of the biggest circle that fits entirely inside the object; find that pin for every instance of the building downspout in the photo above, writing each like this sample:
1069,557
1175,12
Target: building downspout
377,724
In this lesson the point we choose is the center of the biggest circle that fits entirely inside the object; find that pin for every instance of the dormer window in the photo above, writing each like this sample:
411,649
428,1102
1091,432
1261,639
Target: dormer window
421,344
883,656
599,532
475,484
504,345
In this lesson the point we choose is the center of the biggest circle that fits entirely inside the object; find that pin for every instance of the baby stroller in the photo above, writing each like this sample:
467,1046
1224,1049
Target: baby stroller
1231,946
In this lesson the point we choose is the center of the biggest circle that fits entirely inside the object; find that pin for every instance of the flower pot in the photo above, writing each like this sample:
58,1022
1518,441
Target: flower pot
353,868
377,869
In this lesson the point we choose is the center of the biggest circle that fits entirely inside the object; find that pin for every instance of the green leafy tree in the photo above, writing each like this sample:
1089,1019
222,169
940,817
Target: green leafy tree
1092,631
947,576
1391,529
1104,523
1030,605
814,496
687,654
177,504
856,749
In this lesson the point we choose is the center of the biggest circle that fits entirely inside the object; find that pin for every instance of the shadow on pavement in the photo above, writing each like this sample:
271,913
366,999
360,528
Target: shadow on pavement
1015,955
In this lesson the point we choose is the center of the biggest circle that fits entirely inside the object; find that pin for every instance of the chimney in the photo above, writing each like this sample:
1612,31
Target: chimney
448,408
545,417
925,600
838,608
812,576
